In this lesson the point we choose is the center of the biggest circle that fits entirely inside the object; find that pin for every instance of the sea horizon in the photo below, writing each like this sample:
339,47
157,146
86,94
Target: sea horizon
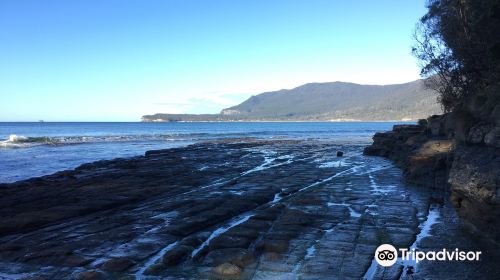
57,146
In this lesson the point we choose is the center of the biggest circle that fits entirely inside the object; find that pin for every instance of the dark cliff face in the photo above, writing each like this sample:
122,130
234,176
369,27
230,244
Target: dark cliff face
454,153
474,178
424,160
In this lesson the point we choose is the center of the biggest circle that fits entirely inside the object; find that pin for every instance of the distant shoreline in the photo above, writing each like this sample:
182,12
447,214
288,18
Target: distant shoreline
245,121
284,121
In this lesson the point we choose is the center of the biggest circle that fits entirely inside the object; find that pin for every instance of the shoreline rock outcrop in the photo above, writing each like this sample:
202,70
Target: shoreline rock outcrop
454,154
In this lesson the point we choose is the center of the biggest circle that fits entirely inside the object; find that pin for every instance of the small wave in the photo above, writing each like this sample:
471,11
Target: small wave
19,141
23,141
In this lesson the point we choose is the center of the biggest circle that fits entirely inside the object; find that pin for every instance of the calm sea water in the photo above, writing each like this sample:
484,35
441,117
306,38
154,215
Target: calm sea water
36,149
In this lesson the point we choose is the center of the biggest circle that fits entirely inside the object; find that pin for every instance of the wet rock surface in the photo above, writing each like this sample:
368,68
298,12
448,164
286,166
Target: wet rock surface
230,210
469,170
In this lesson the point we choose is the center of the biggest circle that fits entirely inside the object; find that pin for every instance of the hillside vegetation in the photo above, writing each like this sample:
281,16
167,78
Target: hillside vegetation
326,102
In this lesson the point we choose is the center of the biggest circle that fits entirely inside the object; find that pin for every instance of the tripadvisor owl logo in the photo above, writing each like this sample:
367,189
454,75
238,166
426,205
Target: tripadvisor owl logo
386,255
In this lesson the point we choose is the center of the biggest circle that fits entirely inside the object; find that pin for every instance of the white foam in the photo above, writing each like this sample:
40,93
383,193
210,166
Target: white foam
310,252
277,197
140,274
330,164
337,204
166,217
346,171
425,229
353,213
376,189
220,231
268,160
14,141
370,273
16,138
375,169
19,141
237,192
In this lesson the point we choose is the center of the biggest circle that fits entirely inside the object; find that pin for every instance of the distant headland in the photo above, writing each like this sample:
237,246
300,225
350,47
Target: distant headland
334,101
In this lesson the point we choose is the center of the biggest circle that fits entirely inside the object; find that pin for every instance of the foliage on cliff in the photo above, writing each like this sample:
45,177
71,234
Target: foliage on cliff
458,45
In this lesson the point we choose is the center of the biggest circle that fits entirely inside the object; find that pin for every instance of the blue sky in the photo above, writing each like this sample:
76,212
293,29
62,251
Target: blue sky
118,60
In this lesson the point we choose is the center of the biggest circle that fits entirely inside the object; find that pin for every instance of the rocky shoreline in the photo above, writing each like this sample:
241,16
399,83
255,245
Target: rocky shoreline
467,171
236,209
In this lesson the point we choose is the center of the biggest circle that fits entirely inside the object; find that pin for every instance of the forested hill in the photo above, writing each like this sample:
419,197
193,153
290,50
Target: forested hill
328,101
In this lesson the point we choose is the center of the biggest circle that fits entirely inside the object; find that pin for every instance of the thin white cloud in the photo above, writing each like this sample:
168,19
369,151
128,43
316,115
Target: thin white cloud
208,102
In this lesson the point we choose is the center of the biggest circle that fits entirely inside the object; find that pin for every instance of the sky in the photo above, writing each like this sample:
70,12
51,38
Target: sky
116,60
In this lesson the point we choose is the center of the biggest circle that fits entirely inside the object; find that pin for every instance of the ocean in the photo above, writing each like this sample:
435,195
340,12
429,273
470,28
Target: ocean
41,148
